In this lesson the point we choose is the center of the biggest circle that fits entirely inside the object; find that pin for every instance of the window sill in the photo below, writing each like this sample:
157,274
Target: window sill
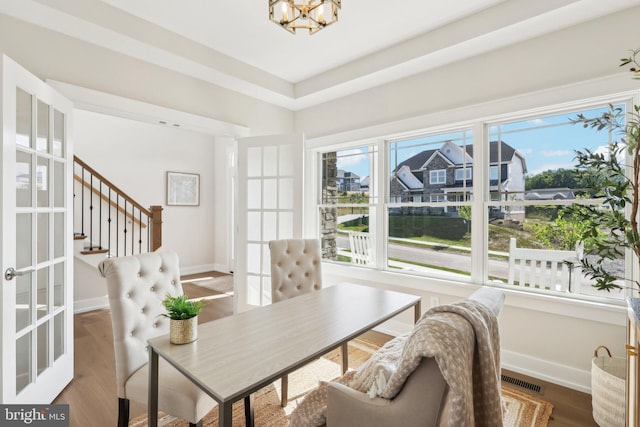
610,313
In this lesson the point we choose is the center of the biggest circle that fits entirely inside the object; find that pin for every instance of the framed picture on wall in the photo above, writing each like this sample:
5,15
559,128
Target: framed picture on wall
183,189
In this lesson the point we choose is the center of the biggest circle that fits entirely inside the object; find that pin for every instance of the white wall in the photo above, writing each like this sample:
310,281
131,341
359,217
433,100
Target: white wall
135,156
578,53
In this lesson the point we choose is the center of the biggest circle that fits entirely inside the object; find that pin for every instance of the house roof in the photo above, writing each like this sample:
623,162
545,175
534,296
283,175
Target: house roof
416,162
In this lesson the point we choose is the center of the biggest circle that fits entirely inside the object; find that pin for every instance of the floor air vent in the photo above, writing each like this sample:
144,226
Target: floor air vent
522,383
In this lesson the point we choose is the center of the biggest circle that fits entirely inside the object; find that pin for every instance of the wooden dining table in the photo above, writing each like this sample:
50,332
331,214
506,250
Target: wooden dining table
236,356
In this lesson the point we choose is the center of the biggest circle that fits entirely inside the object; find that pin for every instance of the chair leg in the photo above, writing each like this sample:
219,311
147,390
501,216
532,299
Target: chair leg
123,412
198,424
285,390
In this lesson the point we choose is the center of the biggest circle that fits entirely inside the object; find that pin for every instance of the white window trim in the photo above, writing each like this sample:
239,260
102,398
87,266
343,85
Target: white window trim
610,89
468,172
440,176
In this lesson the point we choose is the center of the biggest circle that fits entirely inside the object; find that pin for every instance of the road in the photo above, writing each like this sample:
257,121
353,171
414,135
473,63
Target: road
462,262
435,257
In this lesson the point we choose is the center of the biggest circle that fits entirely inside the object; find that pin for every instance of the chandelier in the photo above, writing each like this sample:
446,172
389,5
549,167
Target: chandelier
313,15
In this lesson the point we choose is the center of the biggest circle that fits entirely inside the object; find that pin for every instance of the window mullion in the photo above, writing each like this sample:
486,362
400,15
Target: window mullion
479,232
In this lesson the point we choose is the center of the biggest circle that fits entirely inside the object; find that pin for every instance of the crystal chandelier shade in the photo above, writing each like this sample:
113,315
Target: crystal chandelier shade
312,15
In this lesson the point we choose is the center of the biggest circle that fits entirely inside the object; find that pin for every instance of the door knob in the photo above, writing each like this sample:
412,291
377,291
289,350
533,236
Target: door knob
11,272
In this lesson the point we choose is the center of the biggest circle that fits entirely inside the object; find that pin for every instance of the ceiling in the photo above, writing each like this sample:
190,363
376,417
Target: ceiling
234,45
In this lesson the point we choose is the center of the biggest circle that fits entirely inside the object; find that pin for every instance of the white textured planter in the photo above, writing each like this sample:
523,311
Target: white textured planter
183,331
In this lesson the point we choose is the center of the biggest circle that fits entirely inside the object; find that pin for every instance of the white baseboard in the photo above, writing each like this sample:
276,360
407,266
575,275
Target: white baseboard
195,269
566,376
91,304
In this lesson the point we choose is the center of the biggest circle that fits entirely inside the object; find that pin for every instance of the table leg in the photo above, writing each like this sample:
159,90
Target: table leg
153,388
417,313
345,357
225,414
248,410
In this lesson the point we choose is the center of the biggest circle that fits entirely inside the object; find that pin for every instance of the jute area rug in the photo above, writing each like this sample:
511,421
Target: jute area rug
522,409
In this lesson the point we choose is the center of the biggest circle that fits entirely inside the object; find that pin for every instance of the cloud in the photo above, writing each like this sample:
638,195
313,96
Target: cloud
350,157
555,153
525,150
604,149
551,166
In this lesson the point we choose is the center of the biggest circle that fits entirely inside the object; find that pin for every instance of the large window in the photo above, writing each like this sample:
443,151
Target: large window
516,180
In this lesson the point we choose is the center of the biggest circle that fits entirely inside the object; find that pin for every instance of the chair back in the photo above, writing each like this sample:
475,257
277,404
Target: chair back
362,248
136,286
295,267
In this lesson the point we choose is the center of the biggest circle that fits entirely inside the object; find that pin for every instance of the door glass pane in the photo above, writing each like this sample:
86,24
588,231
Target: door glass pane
58,234
58,184
23,362
58,335
253,290
270,226
23,118
42,138
270,161
42,181
43,237
285,228
42,292
43,347
23,241
254,194
58,134
58,285
270,194
285,193
23,179
253,226
23,301
253,256
286,161
254,161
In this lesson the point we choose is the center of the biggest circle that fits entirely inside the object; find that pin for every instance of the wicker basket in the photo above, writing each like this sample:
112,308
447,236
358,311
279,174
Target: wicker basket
608,376
183,331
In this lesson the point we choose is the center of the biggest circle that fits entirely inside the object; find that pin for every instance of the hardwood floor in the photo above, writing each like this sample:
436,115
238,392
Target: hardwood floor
92,395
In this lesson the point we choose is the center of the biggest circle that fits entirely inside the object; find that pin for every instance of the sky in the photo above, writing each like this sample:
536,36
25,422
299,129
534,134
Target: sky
547,143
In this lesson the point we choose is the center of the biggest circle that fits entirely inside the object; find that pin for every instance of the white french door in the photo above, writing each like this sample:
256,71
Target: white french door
37,292
269,207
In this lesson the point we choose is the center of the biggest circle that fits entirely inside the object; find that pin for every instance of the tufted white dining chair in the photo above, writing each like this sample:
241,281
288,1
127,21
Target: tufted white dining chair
295,270
136,286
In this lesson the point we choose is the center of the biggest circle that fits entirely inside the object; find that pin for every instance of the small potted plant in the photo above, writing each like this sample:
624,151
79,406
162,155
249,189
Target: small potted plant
183,315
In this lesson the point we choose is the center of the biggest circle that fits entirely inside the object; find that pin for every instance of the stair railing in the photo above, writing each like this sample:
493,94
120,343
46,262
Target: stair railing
112,221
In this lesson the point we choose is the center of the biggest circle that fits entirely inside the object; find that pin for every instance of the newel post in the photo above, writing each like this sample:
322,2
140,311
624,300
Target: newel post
156,228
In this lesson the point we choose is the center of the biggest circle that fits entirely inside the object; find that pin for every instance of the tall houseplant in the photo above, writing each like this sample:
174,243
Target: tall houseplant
606,177
183,315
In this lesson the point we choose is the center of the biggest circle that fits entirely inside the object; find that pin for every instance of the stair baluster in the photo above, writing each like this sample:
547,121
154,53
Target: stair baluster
133,216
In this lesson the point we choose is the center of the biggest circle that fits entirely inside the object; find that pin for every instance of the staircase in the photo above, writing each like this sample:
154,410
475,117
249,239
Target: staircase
107,221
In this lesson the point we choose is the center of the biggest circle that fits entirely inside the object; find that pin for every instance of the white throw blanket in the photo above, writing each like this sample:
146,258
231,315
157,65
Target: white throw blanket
464,340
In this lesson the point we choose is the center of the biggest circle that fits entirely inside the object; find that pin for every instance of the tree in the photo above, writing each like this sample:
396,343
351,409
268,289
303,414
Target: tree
559,178
604,174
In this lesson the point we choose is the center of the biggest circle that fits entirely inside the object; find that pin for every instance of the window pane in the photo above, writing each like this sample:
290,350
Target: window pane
535,239
347,192
430,187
